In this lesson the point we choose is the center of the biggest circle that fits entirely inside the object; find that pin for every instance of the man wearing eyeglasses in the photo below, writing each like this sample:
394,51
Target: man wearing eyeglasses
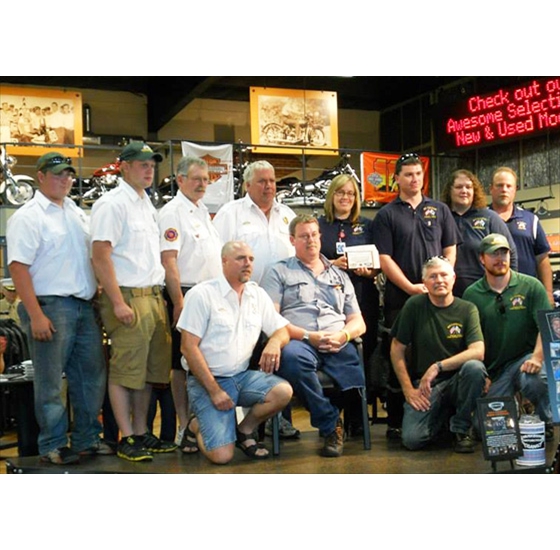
406,232
190,253
444,376
508,303
319,301
49,261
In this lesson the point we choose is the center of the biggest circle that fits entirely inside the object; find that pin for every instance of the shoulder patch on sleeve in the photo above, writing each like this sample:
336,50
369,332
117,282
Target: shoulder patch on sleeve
171,234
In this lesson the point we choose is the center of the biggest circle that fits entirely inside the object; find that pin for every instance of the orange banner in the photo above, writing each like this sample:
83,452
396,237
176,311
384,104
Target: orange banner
377,176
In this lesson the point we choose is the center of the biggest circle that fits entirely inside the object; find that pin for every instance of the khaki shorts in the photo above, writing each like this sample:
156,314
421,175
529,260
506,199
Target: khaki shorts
140,352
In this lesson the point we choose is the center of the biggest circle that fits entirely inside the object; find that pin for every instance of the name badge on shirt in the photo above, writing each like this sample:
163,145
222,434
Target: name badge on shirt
340,248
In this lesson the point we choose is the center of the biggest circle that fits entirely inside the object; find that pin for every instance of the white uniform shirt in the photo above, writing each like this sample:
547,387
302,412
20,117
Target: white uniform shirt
229,330
269,239
187,228
54,242
129,223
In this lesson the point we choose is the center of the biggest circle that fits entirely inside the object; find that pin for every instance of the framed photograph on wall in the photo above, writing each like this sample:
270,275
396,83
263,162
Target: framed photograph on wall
290,120
31,118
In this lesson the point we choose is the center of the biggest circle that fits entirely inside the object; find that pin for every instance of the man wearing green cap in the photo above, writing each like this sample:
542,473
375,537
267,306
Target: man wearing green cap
49,261
508,303
126,259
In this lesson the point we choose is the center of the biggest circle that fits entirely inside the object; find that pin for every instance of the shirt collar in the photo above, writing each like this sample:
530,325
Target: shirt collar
130,191
225,287
190,204
45,202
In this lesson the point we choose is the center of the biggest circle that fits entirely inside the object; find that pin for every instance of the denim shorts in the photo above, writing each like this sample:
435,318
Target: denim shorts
245,389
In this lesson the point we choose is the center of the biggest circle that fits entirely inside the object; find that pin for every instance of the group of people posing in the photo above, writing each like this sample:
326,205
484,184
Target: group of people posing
182,292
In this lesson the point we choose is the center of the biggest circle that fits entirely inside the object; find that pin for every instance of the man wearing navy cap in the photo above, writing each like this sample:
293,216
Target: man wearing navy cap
49,261
126,259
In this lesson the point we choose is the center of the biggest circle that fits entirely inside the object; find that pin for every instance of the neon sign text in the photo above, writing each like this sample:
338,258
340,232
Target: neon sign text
511,113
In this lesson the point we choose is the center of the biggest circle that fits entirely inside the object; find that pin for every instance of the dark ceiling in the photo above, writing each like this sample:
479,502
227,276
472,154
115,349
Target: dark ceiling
167,96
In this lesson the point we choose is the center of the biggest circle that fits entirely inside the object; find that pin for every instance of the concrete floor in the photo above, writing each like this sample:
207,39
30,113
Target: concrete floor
296,457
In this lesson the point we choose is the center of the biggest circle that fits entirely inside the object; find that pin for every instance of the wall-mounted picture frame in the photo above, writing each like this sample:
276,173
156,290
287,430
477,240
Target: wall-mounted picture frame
287,121
33,118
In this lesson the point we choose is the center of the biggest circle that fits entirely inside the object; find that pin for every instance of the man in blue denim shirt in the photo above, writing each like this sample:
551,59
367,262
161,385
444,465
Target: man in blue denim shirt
49,260
319,301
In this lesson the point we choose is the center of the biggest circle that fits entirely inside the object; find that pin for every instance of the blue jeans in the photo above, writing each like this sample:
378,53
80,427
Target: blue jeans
458,393
75,350
299,365
532,386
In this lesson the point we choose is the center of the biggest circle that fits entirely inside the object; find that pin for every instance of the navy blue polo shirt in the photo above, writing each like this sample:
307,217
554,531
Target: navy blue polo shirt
530,239
411,236
474,225
352,234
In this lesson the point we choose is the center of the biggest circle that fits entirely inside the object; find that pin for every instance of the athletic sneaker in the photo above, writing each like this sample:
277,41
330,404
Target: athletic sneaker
62,455
286,429
132,448
156,445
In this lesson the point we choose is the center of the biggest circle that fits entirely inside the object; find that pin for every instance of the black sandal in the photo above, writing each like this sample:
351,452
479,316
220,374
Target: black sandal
189,440
250,450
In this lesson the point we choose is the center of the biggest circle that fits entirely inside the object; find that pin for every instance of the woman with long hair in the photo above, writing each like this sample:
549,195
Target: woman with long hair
465,197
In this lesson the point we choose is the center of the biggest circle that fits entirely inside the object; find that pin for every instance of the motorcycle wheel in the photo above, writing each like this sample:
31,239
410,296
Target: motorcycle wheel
18,191
316,137
273,133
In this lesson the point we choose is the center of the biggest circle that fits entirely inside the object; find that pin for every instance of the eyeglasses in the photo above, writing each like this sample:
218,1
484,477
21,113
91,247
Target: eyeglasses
501,305
349,194
310,236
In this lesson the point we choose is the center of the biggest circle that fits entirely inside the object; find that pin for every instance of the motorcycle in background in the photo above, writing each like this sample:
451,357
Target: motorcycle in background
14,190
103,179
310,132
293,192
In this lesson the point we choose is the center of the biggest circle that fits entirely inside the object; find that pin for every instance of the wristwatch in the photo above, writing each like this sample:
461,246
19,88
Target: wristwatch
439,365
305,337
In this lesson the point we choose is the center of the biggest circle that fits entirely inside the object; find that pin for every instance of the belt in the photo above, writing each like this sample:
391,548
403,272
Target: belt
139,292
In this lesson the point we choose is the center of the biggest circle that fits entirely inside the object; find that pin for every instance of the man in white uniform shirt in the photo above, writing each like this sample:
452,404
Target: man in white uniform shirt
262,222
190,253
258,219
221,324
49,261
126,259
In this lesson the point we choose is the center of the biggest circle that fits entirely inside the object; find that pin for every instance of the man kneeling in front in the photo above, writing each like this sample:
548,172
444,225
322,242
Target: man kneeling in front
445,375
221,322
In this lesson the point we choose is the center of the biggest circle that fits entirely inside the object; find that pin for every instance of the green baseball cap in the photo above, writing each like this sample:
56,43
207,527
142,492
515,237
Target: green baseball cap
55,163
139,151
493,242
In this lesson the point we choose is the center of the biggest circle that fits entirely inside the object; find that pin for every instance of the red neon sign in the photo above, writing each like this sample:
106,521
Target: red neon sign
503,114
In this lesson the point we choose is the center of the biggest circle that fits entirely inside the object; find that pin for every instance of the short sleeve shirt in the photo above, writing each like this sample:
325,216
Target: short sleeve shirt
129,223
269,239
54,242
313,303
509,320
530,239
228,329
411,236
186,228
435,333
